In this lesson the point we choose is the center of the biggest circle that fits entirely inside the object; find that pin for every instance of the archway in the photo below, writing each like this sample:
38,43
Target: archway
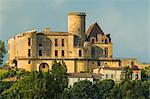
43,67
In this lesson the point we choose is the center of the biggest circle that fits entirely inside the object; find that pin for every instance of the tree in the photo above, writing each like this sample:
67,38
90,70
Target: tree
59,72
5,85
126,74
40,84
2,51
146,89
31,86
82,89
145,73
104,87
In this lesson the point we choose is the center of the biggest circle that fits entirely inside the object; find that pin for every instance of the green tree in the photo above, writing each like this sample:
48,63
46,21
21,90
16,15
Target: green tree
126,74
146,89
59,72
5,85
145,73
2,51
39,84
82,89
27,87
104,87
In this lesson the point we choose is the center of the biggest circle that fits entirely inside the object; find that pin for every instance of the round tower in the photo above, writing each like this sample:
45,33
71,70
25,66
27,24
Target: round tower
76,23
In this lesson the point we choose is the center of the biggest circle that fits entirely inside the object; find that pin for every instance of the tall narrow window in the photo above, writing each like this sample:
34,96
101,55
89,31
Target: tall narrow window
93,52
29,61
106,75
112,75
93,41
80,53
132,63
56,53
40,52
106,52
29,52
76,40
106,41
98,63
29,41
56,42
62,42
62,53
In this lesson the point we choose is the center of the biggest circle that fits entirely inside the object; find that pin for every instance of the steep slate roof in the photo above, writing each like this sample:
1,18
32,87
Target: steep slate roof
93,30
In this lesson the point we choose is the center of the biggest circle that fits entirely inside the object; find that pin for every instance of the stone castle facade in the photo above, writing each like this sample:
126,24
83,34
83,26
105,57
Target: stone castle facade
81,50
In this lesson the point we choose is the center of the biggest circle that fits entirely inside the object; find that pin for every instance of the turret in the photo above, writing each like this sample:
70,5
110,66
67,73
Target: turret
76,24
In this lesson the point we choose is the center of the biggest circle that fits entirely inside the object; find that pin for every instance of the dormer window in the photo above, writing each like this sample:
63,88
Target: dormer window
106,41
102,41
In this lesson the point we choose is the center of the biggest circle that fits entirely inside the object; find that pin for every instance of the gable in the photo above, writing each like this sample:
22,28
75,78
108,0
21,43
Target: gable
93,30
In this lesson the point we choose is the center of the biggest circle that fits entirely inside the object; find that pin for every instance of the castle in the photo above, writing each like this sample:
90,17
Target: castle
81,50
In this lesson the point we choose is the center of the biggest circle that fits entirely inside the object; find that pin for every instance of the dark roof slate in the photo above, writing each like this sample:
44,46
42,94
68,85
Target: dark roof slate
93,30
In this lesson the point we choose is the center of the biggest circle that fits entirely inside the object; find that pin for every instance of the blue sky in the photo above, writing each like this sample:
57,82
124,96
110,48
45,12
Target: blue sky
128,21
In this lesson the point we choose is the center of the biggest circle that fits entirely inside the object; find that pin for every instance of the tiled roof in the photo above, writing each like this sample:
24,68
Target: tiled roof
134,67
113,68
53,33
84,75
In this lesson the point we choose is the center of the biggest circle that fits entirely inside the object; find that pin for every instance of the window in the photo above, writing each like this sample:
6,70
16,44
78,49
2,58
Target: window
29,41
29,61
106,75
56,42
62,53
136,76
132,63
29,52
43,66
93,41
80,53
106,52
40,52
76,41
112,75
119,63
78,29
102,41
93,52
62,42
106,41
98,63
56,53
